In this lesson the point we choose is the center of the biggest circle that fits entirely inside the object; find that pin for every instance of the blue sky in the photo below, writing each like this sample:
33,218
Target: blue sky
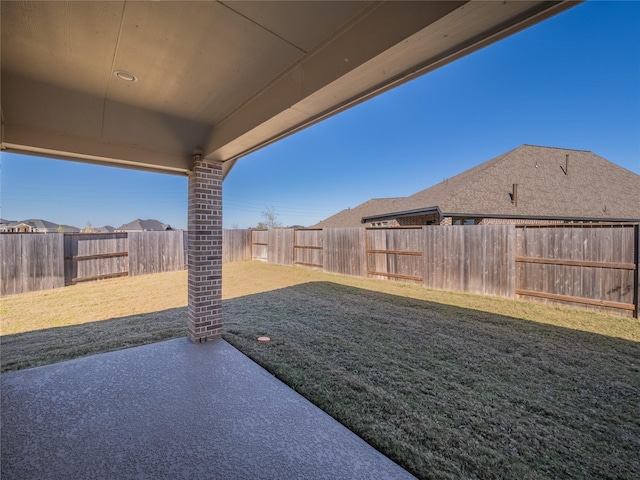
572,81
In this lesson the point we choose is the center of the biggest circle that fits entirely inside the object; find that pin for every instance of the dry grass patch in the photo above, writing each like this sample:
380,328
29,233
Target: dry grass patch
93,302
130,296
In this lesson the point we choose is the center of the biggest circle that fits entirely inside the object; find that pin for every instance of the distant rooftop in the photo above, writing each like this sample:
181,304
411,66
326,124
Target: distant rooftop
351,217
139,225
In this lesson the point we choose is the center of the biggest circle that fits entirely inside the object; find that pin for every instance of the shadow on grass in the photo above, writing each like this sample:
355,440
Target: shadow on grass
449,392
41,347
446,392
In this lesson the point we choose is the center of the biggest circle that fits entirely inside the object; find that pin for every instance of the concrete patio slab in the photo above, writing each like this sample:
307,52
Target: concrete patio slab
172,410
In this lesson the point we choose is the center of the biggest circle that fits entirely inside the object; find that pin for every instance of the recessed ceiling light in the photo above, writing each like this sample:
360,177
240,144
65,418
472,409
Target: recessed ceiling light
126,76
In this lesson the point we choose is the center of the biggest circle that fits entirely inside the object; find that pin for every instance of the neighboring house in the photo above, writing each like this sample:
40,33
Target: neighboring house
4,224
144,226
352,217
36,225
91,229
19,227
528,185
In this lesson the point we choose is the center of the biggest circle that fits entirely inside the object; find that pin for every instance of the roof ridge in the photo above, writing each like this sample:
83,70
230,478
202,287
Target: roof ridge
554,148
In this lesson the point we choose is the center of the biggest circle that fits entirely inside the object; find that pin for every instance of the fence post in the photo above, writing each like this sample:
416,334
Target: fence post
636,274
365,245
512,252
324,250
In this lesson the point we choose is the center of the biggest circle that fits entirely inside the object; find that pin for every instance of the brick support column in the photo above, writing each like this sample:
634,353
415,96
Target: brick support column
204,251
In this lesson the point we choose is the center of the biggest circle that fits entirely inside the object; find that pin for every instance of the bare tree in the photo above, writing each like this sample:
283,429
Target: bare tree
270,219
88,228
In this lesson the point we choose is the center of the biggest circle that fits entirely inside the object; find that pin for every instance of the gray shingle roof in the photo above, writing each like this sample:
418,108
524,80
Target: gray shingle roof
144,225
41,224
45,225
351,217
591,188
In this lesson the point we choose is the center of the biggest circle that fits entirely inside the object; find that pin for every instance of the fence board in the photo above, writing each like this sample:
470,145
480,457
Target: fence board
77,247
589,265
636,274
280,249
478,259
30,262
155,252
344,251
308,247
259,244
395,253
593,265
236,245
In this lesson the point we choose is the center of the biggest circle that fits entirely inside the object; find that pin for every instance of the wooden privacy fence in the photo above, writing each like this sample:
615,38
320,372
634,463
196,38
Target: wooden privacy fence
236,245
478,260
156,252
307,248
595,266
95,256
36,261
259,244
470,259
590,265
395,253
30,262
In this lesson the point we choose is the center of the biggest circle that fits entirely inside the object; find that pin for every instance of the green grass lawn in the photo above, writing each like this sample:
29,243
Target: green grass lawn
451,392
448,385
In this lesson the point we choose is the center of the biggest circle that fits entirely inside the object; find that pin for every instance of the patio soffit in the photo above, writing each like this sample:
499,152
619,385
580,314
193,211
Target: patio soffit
229,77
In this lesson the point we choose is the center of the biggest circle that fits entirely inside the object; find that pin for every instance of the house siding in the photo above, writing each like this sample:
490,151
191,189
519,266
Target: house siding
431,219
519,221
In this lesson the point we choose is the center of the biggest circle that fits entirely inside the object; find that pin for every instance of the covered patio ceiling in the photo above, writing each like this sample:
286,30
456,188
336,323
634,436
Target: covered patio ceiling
145,84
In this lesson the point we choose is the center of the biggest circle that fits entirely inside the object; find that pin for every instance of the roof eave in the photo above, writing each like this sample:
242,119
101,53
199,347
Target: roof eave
406,213
431,210
543,217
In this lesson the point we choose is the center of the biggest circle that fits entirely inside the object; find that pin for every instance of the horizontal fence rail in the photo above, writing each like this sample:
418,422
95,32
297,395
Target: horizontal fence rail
308,248
259,245
95,256
576,263
594,266
39,261
475,260
385,251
